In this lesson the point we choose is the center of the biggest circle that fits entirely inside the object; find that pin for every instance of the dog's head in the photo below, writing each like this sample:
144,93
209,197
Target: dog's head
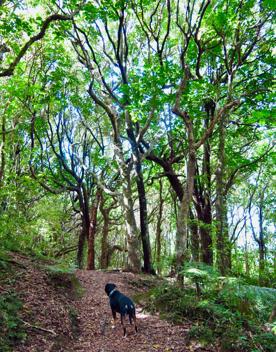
109,288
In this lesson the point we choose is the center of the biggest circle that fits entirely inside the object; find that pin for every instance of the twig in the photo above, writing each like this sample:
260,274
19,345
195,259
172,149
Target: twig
38,328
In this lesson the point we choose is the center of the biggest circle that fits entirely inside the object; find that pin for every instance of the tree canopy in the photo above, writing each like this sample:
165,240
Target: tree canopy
145,128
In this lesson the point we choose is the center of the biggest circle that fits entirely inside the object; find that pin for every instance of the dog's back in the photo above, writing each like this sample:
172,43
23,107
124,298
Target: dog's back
125,305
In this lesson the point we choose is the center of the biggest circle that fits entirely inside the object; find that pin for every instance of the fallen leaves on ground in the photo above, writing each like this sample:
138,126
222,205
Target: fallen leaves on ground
50,308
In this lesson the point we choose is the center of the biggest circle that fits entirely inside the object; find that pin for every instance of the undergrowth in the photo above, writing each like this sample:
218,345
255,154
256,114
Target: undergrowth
59,277
11,327
225,311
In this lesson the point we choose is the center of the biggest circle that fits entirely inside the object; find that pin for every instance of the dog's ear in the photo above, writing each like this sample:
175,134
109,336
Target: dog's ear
107,289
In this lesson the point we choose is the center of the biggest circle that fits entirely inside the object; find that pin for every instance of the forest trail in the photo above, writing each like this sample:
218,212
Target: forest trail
95,321
56,320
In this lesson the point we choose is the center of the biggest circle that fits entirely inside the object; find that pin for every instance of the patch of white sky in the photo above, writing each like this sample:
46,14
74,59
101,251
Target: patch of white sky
238,214
29,10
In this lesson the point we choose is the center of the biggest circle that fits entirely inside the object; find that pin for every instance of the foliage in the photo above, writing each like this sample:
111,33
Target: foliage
234,314
200,273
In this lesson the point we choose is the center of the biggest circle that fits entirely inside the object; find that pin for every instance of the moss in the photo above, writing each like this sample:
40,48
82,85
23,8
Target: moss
61,278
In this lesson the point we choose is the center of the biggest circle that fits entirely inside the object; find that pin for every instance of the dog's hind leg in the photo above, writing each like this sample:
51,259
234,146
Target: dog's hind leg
135,325
123,324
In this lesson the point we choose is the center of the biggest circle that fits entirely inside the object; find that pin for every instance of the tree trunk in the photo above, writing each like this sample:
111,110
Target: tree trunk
223,243
203,198
183,213
261,263
128,208
92,232
85,218
131,227
104,244
81,242
144,229
205,230
132,234
104,261
159,229
247,267
205,236
261,242
194,237
2,149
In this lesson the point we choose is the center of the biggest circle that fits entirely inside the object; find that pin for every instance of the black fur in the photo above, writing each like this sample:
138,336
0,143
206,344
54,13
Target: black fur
121,304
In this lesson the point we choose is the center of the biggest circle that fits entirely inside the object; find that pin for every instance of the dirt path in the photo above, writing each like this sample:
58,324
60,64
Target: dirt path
48,306
97,334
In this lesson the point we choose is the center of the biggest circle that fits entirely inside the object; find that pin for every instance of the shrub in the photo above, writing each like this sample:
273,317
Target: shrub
227,310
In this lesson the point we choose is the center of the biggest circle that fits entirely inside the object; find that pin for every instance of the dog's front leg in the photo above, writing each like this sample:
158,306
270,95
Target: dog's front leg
114,318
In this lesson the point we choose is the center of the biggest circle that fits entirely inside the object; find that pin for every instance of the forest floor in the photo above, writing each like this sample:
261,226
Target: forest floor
56,319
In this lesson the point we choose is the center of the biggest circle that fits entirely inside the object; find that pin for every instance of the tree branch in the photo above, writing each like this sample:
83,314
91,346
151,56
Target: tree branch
56,17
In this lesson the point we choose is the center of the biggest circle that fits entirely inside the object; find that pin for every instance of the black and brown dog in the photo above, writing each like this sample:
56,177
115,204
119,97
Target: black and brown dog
122,304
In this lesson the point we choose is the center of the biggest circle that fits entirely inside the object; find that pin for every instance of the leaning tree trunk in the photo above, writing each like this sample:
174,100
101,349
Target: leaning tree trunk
223,243
144,228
